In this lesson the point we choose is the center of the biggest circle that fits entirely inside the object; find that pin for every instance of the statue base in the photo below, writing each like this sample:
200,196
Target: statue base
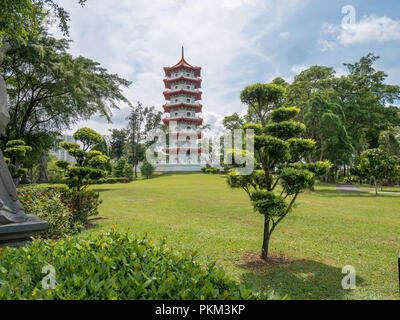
18,234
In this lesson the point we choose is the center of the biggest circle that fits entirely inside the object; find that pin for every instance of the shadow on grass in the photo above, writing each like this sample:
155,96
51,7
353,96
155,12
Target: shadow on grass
301,279
352,194
105,190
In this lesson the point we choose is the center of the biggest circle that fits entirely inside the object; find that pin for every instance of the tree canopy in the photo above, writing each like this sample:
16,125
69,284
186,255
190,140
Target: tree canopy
21,19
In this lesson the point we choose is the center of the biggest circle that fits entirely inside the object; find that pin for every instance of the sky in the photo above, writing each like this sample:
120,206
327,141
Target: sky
236,42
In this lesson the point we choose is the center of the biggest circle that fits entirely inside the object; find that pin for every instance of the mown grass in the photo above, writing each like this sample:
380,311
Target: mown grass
327,231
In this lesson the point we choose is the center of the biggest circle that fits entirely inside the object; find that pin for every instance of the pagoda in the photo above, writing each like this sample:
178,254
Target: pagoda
182,82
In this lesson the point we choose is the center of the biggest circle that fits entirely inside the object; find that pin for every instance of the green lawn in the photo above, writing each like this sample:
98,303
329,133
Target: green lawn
327,230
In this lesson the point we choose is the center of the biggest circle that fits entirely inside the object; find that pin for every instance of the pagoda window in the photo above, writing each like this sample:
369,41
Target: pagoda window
189,128
187,87
187,100
188,114
176,87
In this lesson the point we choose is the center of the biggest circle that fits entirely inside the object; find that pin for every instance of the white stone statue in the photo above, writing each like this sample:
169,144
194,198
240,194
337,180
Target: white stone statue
11,209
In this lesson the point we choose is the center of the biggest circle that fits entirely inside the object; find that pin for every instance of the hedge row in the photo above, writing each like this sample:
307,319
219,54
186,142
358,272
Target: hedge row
210,170
81,204
111,266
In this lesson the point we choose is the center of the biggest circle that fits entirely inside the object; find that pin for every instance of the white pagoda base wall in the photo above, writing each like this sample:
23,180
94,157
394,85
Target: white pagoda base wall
179,167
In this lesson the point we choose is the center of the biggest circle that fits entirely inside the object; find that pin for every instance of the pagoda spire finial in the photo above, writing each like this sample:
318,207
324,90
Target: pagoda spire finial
183,53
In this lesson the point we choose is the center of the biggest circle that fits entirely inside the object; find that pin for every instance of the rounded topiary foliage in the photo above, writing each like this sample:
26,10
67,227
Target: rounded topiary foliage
15,152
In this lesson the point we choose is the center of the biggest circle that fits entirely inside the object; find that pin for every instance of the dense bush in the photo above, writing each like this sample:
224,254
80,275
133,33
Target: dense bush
83,204
146,169
112,266
38,189
111,180
52,209
210,170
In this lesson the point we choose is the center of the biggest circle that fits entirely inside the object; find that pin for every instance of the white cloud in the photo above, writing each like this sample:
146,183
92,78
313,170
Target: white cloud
369,29
234,4
136,39
284,35
299,68
326,45
340,72
327,28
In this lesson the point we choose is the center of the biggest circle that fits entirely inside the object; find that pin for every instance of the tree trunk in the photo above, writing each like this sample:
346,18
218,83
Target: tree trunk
376,187
43,176
312,189
264,250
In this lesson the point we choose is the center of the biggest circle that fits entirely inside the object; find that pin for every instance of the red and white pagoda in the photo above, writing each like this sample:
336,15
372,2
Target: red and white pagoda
182,82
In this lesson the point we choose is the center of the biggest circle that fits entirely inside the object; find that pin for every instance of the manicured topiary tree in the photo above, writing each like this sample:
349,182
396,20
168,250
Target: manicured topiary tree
281,173
15,153
90,167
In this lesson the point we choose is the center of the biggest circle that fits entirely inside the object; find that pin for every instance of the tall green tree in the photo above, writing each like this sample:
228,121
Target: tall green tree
118,140
233,122
118,168
389,141
324,120
378,165
367,102
52,96
141,120
21,19
47,98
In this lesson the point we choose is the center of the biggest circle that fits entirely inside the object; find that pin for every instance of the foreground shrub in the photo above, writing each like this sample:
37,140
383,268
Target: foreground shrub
84,204
112,266
51,208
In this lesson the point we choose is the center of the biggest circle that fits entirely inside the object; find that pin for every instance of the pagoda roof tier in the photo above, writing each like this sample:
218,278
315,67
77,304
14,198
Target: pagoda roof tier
168,107
199,121
168,82
177,150
185,134
182,64
168,94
